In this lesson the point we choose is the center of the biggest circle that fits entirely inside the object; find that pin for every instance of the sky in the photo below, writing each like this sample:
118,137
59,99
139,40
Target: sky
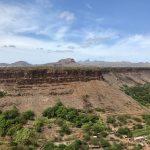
43,31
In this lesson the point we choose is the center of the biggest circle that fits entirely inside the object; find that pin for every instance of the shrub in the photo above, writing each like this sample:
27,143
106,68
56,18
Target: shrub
104,143
123,119
28,115
140,93
146,118
78,145
95,141
49,146
86,127
25,136
13,129
86,136
138,147
111,119
2,94
115,146
97,128
11,114
69,114
65,129
125,131
137,126
137,119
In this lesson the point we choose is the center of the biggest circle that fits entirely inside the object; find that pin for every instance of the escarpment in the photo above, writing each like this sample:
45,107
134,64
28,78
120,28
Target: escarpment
114,76
40,76
36,88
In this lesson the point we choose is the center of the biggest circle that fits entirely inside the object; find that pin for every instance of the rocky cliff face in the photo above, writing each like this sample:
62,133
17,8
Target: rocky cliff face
40,76
57,75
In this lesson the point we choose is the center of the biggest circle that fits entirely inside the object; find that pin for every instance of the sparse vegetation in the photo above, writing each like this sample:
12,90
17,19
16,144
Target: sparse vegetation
125,131
141,93
2,94
26,130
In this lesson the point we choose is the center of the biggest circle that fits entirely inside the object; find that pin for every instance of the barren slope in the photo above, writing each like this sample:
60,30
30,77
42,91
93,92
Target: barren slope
79,89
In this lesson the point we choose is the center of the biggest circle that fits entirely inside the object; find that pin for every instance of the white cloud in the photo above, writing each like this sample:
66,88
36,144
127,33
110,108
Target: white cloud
90,41
68,16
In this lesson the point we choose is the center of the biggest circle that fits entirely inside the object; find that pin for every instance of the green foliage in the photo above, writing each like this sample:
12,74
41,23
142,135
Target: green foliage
86,127
28,115
65,129
25,136
95,141
2,94
13,129
78,145
8,120
137,126
146,118
11,121
141,93
141,132
115,146
104,143
70,114
138,147
111,119
98,128
86,136
40,122
11,114
125,131
123,118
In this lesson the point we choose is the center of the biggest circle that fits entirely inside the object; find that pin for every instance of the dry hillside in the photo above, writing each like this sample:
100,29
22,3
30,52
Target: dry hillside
39,88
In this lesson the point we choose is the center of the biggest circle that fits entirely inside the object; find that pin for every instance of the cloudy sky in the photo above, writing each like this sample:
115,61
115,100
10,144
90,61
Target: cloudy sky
41,31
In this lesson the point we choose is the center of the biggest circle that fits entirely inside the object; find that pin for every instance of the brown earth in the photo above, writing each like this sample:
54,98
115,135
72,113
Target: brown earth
83,88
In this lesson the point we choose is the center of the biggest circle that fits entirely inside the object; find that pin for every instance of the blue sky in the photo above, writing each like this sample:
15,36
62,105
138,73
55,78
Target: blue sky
41,31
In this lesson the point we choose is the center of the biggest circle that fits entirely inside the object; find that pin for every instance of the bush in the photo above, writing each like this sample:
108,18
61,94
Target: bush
125,131
11,114
69,114
65,129
13,129
137,119
140,93
137,126
78,145
123,118
138,147
2,94
95,141
111,119
97,128
28,115
146,118
104,143
115,146
25,136
86,127
49,146
86,136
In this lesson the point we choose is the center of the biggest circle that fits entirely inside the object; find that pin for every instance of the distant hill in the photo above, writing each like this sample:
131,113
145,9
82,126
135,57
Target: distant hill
16,64
70,62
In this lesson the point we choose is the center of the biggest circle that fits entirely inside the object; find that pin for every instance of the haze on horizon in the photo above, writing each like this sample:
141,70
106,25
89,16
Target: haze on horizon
42,31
